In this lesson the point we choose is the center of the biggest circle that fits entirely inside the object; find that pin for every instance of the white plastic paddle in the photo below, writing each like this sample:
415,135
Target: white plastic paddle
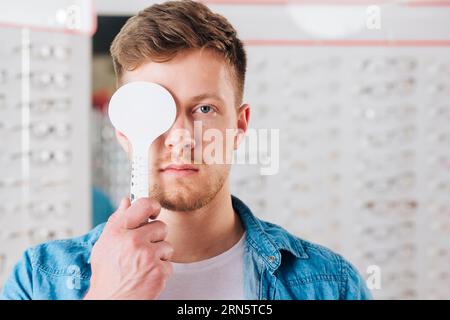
142,111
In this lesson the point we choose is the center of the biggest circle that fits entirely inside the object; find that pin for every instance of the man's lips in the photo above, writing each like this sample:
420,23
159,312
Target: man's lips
180,167
179,170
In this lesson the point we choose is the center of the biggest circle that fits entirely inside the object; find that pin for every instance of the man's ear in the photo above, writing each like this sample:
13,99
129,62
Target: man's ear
243,117
124,143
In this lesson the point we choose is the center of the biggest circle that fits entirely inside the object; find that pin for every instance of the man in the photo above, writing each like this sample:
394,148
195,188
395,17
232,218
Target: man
191,239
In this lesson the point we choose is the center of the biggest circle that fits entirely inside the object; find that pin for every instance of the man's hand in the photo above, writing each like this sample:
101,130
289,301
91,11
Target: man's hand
130,260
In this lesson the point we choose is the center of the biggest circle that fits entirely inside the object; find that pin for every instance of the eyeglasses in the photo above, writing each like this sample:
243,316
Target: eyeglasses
405,294
441,184
307,91
440,112
46,52
42,51
443,275
45,156
316,66
43,234
385,232
439,138
400,254
439,163
293,113
382,114
440,227
39,234
252,184
46,210
438,209
383,89
383,65
394,136
439,292
397,183
47,105
42,130
36,185
38,210
389,160
10,183
44,80
401,275
390,208
435,252
304,139
437,68
437,88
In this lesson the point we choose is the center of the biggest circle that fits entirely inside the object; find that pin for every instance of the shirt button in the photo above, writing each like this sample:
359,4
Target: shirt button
271,258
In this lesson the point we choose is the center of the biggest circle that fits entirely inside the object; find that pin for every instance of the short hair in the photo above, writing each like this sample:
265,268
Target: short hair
160,31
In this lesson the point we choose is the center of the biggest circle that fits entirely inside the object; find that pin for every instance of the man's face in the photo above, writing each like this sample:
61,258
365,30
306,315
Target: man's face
188,169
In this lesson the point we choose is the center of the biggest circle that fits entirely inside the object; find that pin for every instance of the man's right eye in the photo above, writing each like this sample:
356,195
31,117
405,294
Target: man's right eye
205,109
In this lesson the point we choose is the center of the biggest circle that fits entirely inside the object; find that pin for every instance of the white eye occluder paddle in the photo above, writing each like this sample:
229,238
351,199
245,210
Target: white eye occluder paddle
142,111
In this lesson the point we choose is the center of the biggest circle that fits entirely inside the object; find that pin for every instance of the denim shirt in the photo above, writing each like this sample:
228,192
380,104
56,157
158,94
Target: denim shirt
277,265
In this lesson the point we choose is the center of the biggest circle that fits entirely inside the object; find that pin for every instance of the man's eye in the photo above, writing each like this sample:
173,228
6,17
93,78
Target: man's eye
205,109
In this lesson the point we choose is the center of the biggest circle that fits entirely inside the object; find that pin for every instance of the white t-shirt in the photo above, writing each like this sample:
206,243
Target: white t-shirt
219,277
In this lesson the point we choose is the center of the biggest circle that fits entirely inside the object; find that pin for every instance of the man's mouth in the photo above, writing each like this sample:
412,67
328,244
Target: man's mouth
179,170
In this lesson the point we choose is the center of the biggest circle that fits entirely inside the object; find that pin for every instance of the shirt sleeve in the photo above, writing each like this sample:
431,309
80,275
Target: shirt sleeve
355,287
19,285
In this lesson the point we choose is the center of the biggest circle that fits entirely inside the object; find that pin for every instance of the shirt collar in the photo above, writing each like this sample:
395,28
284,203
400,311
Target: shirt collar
266,238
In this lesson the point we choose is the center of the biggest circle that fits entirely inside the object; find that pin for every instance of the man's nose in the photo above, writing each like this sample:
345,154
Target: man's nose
180,135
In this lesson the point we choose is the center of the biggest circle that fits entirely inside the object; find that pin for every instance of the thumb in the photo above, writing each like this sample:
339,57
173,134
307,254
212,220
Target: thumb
124,204
119,213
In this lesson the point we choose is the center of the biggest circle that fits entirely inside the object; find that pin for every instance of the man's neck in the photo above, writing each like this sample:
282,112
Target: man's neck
203,233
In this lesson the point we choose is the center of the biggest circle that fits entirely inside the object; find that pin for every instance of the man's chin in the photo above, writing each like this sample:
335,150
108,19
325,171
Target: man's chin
182,202
181,198
187,195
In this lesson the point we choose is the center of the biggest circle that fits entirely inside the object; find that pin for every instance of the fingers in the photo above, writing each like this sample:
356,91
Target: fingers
124,203
123,206
167,267
153,231
163,250
139,212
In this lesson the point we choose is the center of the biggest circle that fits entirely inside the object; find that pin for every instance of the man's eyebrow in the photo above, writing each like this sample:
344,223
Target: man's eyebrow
207,96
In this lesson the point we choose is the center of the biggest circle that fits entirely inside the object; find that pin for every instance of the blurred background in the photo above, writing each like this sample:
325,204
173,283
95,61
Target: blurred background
359,90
